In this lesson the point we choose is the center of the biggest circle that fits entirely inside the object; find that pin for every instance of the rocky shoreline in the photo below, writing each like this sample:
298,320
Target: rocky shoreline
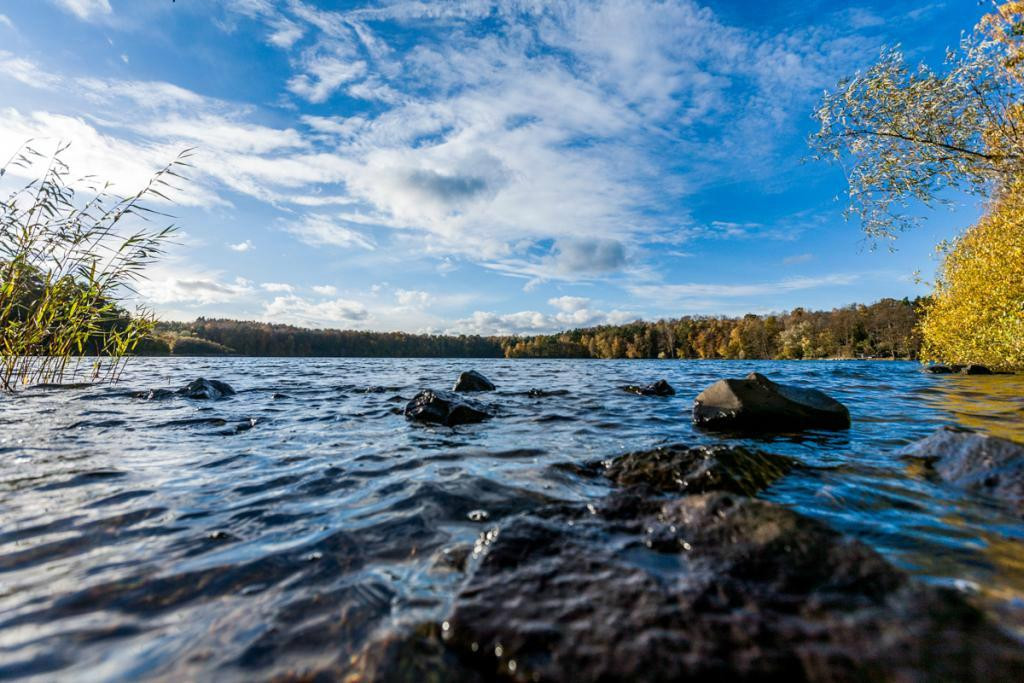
680,572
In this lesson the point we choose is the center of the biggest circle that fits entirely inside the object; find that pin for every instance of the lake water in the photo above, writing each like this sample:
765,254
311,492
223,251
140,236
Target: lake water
261,535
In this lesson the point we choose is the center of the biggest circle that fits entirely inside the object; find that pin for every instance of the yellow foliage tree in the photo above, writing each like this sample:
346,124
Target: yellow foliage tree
912,135
977,312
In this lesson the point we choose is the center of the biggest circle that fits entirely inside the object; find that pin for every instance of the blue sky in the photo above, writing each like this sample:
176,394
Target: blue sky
496,167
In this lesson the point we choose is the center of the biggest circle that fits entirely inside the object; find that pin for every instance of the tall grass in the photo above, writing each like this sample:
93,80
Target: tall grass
68,265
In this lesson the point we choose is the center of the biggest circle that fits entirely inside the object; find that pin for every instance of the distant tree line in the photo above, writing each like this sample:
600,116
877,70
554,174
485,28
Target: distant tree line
886,329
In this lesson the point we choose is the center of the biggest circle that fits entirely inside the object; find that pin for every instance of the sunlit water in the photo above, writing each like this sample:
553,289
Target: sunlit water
261,535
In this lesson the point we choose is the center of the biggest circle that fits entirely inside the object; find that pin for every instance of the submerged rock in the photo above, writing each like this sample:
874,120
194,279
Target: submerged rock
986,465
703,588
938,369
473,381
443,407
206,389
758,404
659,388
697,470
544,393
154,394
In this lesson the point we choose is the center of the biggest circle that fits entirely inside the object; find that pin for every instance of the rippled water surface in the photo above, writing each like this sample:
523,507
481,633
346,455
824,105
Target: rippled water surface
273,531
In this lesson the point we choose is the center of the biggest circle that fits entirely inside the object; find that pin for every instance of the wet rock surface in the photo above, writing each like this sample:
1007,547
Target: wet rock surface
659,388
201,389
206,389
985,465
974,369
714,586
705,587
681,469
472,380
940,369
443,407
756,403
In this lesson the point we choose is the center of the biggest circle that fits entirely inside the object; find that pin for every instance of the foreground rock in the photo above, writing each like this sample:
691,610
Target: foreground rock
986,465
659,388
698,470
708,587
443,407
473,381
756,403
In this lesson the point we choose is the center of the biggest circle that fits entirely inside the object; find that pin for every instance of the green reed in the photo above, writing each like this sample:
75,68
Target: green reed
67,267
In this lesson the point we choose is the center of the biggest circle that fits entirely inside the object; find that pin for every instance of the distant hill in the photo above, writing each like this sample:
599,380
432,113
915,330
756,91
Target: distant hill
884,329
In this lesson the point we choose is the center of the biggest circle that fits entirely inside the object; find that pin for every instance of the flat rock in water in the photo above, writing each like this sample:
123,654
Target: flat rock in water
659,388
756,403
706,587
473,381
443,407
938,369
206,389
986,465
975,369
700,469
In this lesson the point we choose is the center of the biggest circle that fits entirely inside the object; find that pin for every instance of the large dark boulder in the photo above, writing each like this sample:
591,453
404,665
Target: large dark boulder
756,403
986,465
680,469
975,369
659,388
206,389
708,587
443,407
472,380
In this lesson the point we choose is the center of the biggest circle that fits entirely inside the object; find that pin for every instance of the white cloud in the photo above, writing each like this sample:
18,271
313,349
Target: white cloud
24,71
242,247
797,258
301,311
277,287
324,75
325,290
569,304
321,230
407,297
170,285
125,164
666,293
284,32
86,9
6,21
572,312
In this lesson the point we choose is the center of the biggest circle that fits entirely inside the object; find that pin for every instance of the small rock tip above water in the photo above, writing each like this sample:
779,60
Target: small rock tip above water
659,388
471,380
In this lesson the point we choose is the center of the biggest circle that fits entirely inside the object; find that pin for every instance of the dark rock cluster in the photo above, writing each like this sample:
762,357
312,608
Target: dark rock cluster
972,369
648,585
202,389
659,388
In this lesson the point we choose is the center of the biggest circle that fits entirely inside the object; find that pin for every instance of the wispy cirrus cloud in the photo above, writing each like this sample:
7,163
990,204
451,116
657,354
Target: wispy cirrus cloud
87,10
